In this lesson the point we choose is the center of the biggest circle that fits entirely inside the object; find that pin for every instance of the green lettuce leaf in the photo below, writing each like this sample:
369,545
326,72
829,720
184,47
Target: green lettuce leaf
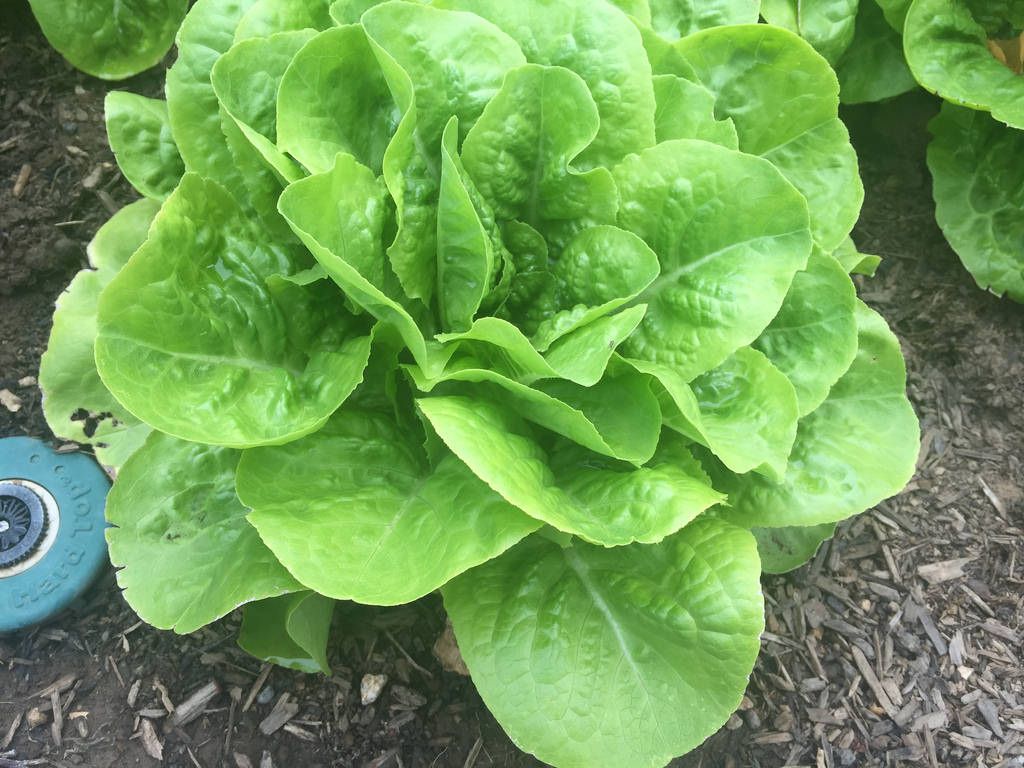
140,137
186,553
785,549
791,121
673,19
601,502
828,25
728,252
979,195
111,39
947,51
873,67
268,366
686,110
859,447
356,512
268,17
290,631
76,404
613,657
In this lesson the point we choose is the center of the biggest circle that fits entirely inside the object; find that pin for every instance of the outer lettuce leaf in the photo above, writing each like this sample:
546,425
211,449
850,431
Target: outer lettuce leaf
728,252
947,51
784,99
246,80
595,500
356,512
895,12
873,67
268,17
316,120
785,549
601,45
979,196
111,39
268,365
77,405
828,25
520,150
813,339
140,137
186,552
290,631
858,448
673,19
613,657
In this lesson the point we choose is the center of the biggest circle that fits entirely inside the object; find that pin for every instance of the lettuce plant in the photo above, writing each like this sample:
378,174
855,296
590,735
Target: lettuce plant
111,39
544,305
969,53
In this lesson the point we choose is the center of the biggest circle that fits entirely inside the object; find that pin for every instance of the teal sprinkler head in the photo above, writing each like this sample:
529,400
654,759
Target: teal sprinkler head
52,544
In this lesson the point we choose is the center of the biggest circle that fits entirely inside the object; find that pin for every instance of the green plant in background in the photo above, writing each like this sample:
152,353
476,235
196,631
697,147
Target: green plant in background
111,39
969,52
543,305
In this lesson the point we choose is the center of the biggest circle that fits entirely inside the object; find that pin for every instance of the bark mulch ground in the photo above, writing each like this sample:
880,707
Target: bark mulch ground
900,644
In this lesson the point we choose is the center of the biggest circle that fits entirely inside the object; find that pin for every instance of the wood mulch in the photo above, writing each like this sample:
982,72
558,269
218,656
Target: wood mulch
899,645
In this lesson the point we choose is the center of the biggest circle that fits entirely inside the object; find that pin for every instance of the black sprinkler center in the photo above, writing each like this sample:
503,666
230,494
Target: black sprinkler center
22,523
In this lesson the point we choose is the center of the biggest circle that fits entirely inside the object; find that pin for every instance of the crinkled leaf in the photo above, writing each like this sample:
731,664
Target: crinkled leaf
600,270
618,657
111,39
193,341
600,44
316,119
858,448
617,417
785,549
745,410
686,110
290,631
947,51
728,252
246,80
356,512
673,19
638,9
140,136
979,195
77,405
828,25
873,67
339,215
465,255
813,339
207,32
599,501
186,552
520,150
268,17
784,99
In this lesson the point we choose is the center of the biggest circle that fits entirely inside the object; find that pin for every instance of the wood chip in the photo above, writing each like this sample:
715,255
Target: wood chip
194,705
57,726
446,650
283,711
23,176
261,678
150,741
60,685
864,667
371,687
241,761
266,761
947,570
6,740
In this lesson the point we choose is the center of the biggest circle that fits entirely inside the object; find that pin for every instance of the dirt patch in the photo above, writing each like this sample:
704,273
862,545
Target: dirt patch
866,661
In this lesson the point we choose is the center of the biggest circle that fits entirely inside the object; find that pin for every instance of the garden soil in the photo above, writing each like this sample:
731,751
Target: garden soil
900,644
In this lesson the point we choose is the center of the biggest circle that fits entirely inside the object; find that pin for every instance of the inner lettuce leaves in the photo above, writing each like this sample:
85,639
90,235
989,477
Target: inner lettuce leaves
547,308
